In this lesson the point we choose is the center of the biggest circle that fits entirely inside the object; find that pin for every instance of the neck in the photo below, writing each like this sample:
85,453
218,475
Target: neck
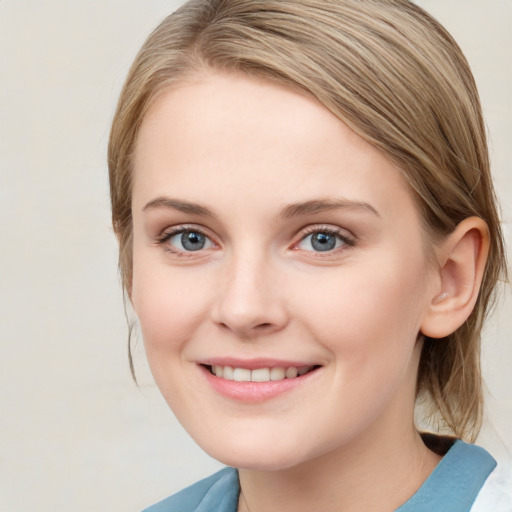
380,472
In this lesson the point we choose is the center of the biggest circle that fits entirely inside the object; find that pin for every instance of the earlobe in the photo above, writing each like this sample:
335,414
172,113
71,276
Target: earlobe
462,258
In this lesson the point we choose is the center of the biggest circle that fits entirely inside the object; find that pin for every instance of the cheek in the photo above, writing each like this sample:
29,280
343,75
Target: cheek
368,313
369,322
168,305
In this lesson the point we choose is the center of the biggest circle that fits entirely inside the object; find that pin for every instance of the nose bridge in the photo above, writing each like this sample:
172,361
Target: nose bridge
249,301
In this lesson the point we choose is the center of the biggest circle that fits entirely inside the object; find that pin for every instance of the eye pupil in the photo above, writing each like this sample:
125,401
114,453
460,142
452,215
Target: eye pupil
323,241
193,241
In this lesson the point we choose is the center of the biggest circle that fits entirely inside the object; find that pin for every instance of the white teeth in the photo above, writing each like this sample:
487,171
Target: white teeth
242,375
277,374
291,373
259,374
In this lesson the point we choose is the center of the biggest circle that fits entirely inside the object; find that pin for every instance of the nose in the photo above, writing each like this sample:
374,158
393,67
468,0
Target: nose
250,299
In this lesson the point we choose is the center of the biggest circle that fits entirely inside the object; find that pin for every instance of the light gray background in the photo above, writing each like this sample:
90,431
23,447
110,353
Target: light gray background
75,432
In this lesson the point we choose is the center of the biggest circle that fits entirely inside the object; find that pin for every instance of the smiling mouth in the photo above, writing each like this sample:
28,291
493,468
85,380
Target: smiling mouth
259,374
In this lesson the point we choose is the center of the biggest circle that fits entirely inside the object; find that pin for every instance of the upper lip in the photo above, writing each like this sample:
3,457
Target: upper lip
254,364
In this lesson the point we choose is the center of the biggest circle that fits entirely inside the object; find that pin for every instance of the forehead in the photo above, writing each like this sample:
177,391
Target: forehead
230,133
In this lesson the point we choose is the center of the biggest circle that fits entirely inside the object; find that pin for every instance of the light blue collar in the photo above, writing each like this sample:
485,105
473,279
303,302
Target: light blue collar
455,482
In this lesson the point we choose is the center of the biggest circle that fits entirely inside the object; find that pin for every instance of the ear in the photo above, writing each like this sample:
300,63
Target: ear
462,257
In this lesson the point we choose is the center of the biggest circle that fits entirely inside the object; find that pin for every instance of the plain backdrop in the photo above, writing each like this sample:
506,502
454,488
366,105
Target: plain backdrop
75,432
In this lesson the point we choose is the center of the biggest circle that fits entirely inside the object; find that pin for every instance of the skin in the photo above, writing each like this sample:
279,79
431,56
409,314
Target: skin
245,150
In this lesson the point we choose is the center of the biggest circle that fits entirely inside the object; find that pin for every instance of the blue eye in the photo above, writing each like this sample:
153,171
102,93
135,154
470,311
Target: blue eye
188,241
322,241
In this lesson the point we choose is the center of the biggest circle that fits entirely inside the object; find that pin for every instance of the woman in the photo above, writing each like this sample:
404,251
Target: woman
309,238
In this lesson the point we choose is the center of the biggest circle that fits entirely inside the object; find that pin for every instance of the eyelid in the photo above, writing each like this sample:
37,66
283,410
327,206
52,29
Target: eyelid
348,239
170,232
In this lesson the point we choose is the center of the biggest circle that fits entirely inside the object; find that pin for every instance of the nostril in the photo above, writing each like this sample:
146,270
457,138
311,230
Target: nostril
246,330
224,326
264,329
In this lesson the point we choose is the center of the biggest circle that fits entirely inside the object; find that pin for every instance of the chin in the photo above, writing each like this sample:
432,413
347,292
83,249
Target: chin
256,454
257,461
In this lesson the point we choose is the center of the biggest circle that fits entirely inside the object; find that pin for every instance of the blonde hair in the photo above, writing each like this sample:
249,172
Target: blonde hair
391,73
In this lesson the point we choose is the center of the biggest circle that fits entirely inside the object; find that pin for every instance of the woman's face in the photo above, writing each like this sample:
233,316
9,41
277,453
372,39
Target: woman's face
273,244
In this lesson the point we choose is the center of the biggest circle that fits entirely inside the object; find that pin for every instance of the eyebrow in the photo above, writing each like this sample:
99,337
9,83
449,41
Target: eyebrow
325,205
175,204
292,210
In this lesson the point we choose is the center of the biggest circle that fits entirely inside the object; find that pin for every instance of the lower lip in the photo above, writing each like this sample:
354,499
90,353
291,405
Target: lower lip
254,392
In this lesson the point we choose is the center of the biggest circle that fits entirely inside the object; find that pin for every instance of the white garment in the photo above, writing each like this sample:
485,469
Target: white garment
496,494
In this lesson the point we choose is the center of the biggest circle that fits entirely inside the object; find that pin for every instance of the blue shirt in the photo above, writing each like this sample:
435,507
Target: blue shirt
452,486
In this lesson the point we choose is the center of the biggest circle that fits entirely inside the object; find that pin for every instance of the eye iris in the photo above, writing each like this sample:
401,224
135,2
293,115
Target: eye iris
323,241
193,241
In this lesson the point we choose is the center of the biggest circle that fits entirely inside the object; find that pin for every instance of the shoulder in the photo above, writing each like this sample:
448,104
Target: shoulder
218,493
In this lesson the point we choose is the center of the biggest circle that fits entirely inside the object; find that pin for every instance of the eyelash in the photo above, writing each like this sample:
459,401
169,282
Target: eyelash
327,230
168,235
311,230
